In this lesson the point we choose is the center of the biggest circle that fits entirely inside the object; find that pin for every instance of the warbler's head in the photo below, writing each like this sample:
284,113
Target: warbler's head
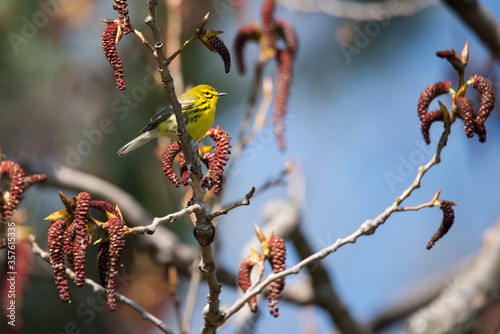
206,92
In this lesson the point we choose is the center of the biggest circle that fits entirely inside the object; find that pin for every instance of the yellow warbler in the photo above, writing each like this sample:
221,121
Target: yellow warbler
198,111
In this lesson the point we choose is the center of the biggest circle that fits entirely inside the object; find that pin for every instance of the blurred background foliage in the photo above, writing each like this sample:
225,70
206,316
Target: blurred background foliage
352,120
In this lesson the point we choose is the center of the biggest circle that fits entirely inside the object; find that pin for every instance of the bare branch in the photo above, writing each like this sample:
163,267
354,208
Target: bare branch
244,202
170,218
143,40
360,11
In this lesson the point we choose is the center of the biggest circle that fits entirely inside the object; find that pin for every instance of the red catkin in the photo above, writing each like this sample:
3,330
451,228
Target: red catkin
116,244
429,94
244,280
222,50
487,104
167,160
109,48
427,120
56,252
82,237
277,261
448,219
213,178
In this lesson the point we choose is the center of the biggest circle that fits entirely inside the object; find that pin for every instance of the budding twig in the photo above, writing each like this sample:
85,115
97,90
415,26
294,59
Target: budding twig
245,202
150,229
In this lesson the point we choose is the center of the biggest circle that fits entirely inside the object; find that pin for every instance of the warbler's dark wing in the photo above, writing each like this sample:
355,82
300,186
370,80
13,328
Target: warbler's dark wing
166,112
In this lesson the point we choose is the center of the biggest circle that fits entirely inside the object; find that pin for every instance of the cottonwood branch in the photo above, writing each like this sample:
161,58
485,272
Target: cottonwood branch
204,231
170,218
225,211
367,228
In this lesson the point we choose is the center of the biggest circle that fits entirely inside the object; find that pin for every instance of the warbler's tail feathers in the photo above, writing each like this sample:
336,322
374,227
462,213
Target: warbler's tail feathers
137,142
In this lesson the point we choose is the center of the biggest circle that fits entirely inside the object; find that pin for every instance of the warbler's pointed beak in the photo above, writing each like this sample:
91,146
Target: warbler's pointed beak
220,94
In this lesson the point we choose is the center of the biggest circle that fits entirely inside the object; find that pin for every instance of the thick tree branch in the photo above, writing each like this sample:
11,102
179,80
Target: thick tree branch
480,21
204,231
361,10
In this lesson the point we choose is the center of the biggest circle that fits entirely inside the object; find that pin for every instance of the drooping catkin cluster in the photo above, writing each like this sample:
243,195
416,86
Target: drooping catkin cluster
13,195
461,107
222,50
271,30
69,235
215,161
274,251
109,48
210,39
112,35
448,219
